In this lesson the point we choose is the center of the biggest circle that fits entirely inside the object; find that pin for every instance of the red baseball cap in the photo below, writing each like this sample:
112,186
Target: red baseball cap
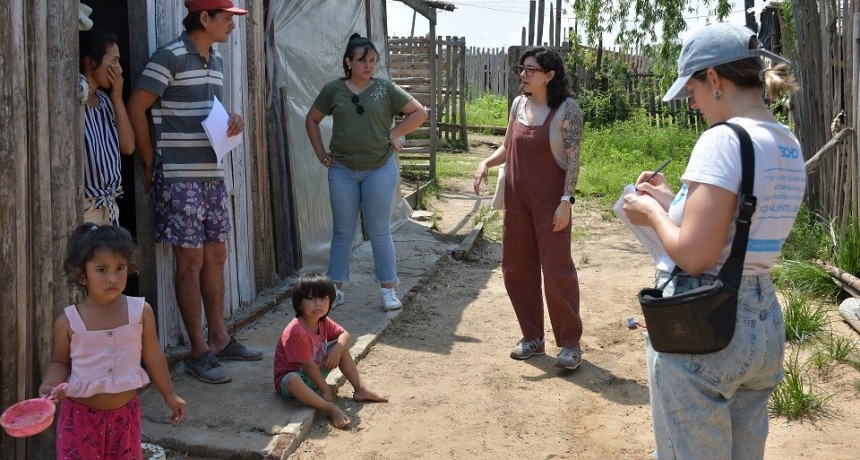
205,5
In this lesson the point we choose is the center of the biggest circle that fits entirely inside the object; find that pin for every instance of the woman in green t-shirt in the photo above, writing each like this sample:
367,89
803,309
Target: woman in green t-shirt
362,170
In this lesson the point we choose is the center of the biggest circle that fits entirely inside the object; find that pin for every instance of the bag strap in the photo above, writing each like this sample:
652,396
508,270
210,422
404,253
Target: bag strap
733,269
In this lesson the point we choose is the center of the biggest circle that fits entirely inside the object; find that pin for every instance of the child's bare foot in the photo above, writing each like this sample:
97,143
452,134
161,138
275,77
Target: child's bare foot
338,418
366,394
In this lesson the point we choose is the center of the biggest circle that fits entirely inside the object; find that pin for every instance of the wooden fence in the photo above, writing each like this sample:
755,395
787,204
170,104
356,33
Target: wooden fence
431,70
411,65
827,103
642,88
451,95
486,72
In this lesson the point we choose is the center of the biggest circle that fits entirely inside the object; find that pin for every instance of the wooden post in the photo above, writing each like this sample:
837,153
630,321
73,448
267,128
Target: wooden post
551,35
540,14
434,97
523,39
558,23
462,86
368,22
255,127
451,85
144,209
531,22
14,257
855,92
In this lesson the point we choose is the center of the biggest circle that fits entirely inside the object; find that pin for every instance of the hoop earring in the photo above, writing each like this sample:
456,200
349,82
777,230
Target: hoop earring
717,94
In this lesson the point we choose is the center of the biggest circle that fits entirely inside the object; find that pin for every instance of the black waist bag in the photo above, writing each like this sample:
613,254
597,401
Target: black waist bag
702,320
698,321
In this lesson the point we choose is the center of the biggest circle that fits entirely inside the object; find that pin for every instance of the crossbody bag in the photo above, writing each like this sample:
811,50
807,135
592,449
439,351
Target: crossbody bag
702,320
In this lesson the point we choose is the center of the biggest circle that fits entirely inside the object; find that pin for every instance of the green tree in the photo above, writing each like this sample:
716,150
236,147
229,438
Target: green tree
640,23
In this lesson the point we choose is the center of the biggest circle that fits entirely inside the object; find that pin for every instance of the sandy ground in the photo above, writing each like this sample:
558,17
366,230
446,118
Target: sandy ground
456,394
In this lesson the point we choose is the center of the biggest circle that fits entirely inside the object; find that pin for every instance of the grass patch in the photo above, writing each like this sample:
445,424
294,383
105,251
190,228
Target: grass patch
613,156
840,348
492,223
803,320
488,110
794,397
578,234
809,237
461,167
806,277
846,246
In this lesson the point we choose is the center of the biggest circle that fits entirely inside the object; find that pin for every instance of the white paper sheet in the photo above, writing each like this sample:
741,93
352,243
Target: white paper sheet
215,126
646,235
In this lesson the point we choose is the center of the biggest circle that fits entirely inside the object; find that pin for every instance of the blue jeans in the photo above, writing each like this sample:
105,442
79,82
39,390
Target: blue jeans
714,406
371,192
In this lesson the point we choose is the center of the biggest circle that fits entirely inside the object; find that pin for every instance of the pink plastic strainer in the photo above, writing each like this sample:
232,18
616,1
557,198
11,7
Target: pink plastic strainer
31,416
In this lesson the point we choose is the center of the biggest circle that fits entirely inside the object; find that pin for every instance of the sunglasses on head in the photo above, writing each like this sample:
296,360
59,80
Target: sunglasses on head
359,109
529,70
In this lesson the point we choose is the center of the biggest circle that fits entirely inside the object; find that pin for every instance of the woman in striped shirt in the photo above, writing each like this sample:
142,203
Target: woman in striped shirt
107,130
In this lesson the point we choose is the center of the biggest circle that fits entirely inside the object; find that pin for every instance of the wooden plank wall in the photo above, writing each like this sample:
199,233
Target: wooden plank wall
451,95
486,72
255,133
827,46
240,286
40,146
411,65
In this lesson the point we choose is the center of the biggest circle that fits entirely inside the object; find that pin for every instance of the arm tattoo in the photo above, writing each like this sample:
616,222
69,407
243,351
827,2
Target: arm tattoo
571,130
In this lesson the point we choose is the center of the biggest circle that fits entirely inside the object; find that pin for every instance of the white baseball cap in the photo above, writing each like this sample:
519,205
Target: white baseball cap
710,46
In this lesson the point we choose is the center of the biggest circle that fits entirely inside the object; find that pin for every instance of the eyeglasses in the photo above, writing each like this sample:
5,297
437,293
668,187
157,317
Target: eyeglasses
359,109
528,69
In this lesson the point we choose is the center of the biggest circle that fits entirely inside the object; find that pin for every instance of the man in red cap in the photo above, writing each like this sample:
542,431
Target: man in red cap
178,86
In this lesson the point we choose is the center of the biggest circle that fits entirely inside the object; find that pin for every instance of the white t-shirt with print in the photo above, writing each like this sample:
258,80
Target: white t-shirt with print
780,182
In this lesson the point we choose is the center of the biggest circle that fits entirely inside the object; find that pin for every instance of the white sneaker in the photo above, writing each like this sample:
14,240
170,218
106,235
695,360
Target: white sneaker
389,299
339,298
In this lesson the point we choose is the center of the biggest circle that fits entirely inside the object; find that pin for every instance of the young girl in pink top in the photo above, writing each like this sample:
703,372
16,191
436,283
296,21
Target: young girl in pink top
98,346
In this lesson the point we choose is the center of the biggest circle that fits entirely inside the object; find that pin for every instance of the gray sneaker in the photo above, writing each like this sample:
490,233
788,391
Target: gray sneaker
525,349
207,369
339,297
569,358
236,351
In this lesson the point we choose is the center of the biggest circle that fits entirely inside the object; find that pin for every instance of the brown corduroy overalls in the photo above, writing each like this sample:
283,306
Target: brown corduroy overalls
533,186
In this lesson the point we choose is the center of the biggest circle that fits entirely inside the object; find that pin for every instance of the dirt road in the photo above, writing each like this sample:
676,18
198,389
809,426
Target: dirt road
456,394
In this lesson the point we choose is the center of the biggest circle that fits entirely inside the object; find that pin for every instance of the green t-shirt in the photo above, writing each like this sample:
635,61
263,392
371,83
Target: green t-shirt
360,141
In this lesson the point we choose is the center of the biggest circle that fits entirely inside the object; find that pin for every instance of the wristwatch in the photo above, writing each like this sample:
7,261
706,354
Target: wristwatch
569,198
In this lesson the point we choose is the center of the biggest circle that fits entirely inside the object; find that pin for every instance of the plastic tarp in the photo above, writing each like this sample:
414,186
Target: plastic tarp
306,42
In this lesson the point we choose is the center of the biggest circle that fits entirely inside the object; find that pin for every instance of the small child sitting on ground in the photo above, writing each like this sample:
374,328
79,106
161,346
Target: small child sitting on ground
312,345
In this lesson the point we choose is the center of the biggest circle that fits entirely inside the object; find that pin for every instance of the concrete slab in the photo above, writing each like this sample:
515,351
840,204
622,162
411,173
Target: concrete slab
245,418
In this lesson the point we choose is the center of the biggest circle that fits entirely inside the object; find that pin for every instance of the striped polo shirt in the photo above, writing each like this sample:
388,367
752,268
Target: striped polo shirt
185,84
102,177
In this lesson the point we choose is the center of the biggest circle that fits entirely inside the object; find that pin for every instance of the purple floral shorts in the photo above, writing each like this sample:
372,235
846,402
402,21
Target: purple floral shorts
189,214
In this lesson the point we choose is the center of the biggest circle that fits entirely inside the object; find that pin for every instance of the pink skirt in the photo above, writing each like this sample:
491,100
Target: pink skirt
87,433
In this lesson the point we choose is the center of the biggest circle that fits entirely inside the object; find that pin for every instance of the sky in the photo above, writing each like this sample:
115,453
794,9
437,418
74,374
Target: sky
499,23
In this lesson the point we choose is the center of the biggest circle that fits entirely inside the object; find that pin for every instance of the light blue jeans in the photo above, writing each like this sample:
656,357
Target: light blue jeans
372,193
714,406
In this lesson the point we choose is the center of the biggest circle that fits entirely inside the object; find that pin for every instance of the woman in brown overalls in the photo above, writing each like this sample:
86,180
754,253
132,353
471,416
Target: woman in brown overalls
541,151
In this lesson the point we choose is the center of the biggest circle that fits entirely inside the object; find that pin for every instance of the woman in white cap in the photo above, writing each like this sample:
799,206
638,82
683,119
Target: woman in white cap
715,405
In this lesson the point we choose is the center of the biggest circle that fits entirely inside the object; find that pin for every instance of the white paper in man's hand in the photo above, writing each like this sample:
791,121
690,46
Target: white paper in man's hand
646,235
215,126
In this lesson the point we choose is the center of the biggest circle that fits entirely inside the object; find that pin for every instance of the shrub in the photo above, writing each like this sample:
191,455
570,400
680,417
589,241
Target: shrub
794,397
488,110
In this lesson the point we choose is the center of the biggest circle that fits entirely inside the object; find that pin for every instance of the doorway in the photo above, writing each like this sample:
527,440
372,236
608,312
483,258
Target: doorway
112,16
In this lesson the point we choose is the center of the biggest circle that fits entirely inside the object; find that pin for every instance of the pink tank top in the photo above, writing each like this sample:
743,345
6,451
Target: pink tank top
106,361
